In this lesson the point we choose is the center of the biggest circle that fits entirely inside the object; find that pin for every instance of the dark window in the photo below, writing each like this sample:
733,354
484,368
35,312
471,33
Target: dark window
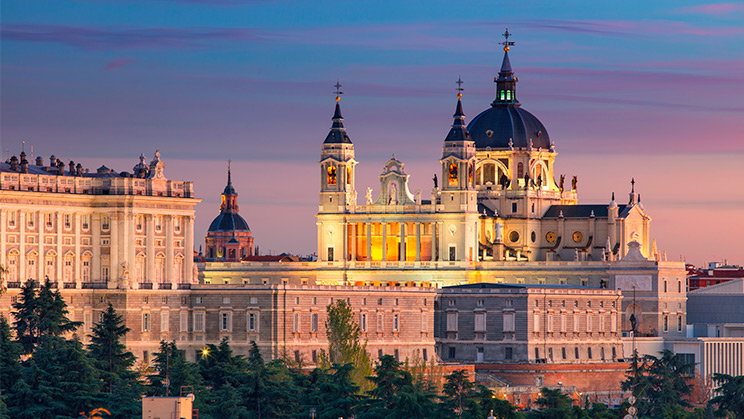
589,353
563,353
550,353
425,354
297,356
576,352
537,353
452,253
533,236
330,254
614,353
146,356
315,355
396,355
508,353
452,352
514,207
379,353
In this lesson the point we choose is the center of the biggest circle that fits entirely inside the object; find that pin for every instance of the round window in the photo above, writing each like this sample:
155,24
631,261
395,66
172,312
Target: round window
514,236
533,236
489,133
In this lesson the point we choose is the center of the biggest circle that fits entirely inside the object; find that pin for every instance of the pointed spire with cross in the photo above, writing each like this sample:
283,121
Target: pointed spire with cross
507,43
338,91
459,86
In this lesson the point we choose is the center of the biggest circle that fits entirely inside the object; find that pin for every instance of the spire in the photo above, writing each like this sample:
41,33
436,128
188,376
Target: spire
459,131
632,194
338,132
229,190
506,83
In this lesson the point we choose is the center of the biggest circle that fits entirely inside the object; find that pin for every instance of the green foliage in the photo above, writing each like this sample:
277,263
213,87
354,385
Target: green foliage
730,398
40,314
115,366
10,352
172,372
396,395
345,345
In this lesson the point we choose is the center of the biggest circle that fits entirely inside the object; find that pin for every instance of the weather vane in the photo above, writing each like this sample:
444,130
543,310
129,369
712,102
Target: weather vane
507,43
459,86
229,163
338,91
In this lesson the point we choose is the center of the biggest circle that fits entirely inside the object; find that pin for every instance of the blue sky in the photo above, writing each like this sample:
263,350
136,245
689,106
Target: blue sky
651,90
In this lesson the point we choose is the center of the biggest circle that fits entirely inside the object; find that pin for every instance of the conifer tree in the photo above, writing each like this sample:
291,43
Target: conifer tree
345,345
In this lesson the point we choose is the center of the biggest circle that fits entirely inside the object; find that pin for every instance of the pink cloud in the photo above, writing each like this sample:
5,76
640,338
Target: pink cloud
715,9
118,63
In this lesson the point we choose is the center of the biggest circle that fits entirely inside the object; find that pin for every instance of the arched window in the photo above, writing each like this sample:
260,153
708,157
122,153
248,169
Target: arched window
331,175
502,95
508,95
520,170
453,174
349,179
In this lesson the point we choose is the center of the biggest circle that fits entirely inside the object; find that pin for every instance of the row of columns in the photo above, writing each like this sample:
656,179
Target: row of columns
350,235
122,245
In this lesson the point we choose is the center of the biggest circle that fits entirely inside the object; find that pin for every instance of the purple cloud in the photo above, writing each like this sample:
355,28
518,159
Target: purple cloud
715,9
126,38
118,63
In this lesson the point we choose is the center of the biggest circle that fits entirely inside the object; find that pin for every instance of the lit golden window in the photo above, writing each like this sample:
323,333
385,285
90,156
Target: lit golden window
453,174
331,175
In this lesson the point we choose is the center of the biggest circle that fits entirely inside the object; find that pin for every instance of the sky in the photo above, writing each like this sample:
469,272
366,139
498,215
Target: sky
646,90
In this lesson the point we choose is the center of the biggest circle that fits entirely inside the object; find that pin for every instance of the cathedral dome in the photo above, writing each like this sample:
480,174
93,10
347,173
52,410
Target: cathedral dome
229,221
496,126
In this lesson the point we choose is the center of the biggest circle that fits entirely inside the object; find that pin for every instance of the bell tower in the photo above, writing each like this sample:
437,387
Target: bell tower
458,193
337,166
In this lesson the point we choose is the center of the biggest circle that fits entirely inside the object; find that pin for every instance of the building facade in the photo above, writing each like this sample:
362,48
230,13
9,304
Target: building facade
228,238
95,230
494,323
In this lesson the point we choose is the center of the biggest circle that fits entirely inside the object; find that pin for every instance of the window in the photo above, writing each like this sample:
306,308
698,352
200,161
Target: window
550,354
588,323
508,322
451,302
396,301
550,323
105,222
364,301
199,300
679,286
452,253
85,221
379,353
453,174
480,322
198,322
589,353
396,322
225,300
679,323
666,323
379,302
330,254
225,322
254,300
331,178
479,303
425,354
315,355
665,286
452,322
164,321
563,353
105,273
536,322
602,353
576,352
252,323
514,205
314,323
363,322
145,322
379,323
452,352
508,353
537,353
296,323
183,322
164,300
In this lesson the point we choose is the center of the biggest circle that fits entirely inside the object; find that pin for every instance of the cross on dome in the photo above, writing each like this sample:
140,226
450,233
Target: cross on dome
338,91
507,43
459,86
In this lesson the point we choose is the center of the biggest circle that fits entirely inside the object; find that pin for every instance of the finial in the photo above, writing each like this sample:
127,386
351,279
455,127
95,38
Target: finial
229,172
459,87
338,91
506,42
632,185
613,196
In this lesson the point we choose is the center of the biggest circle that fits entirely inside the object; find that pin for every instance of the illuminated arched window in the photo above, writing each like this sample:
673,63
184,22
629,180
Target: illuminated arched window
453,174
502,95
348,175
331,175
508,95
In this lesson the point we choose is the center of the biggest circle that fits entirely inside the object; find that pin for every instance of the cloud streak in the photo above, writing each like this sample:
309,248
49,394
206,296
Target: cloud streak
127,38
716,9
118,63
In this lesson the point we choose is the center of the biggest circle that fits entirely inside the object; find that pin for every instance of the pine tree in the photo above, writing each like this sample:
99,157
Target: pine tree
459,395
173,371
26,315
114,364
10,364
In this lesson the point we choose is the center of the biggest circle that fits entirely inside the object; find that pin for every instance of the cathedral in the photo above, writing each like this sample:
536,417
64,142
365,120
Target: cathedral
496,199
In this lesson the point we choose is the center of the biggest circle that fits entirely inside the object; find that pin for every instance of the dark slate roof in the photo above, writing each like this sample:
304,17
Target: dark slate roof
484,208
579,211
458,132
338,132
229,221
507,122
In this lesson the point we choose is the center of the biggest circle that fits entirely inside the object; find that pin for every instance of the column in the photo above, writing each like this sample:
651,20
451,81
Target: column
131,242
169,250
402,244
40,267
418,242
320,250
22,246
440,242
3,236
345,242
150,251
78,271
114,248
433,241
369,242
384,241
188,250
95,228
353,241
60,256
